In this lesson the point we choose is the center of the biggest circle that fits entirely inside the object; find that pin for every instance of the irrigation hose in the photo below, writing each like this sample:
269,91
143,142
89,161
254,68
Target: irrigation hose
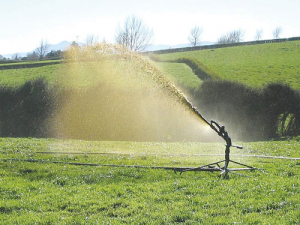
180,155
175,169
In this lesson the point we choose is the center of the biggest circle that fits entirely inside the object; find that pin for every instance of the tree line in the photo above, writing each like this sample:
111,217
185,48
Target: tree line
135,35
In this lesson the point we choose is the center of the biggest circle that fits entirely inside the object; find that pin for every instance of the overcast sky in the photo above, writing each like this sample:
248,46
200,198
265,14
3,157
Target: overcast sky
24,23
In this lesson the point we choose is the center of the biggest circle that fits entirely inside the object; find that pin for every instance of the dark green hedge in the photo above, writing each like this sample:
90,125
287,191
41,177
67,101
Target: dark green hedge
251,113
24,110
248,114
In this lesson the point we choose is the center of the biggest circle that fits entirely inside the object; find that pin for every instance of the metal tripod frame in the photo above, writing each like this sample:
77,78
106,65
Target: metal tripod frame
216,165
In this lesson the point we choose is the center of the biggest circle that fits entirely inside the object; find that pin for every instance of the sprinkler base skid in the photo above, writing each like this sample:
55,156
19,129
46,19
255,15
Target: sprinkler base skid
215,167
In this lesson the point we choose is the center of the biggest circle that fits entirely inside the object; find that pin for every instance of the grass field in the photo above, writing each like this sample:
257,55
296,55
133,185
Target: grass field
180,74
253,65
43,192
16,77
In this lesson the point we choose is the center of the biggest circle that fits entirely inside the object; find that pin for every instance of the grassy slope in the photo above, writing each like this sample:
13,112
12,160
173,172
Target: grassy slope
180,74
254,65
16,77
47,193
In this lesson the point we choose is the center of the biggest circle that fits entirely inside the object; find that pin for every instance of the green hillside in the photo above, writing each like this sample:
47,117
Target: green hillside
253,65
28,71
180,74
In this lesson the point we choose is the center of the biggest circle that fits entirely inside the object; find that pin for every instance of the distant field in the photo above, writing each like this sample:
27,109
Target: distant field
23,64
16,77
255,65
44,192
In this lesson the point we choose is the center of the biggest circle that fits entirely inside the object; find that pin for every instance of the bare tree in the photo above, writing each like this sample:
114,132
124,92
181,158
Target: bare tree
91,40
223,39
74,44
43,49
32,56
231,37
236,36
195,34
258,34
277,32
15,56
134,34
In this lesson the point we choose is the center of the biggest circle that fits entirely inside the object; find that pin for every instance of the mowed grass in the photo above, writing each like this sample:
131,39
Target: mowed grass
44,192
253,65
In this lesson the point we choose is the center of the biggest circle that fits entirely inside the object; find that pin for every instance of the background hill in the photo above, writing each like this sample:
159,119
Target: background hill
252,65
252,89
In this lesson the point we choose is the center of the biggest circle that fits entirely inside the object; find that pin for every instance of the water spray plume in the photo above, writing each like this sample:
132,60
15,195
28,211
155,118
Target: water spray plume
115,94
112,93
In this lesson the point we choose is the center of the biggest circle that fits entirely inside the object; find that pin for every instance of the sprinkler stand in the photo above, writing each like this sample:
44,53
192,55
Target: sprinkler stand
215,166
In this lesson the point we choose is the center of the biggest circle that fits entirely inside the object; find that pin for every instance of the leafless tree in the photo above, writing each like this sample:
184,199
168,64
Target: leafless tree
43,49
15,56
195,34
91,40
32,56
236,36
231,37
258,34
223,39
277,32
74,44
134,34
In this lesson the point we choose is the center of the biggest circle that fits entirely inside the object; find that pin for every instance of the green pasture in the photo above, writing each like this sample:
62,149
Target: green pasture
17,77
180,74
44,192
253,65
53,73
24,64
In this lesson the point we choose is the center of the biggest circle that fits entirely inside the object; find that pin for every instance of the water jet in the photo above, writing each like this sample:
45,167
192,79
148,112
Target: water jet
122,96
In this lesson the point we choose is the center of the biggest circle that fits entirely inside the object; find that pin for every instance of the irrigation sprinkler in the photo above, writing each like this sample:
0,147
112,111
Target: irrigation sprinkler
216,165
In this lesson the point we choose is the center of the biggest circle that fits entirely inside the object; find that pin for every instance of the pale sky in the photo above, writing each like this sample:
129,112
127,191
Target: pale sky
24,23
